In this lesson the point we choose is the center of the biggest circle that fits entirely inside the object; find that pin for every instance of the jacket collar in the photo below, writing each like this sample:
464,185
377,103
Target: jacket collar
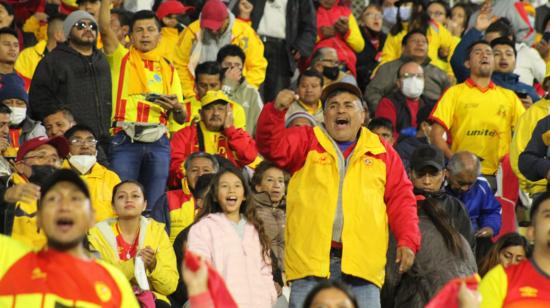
510,78
406,59
367,142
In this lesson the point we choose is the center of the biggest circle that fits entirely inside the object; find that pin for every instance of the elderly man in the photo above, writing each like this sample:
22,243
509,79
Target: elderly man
464,183
340,172
415,48
214,134
176,208
325,61
36,160
402,105
62,272
202,40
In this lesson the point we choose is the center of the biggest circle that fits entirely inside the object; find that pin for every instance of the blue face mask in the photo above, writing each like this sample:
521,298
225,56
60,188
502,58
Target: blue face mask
405,13
390,14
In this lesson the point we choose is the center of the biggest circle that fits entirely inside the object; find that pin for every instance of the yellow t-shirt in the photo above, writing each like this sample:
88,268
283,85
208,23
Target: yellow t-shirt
134,108
479,120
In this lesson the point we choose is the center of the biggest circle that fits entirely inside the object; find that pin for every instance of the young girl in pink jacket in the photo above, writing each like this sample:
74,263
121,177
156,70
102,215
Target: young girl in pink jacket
229,235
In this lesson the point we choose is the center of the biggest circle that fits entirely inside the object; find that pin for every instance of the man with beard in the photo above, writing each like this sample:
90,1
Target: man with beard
76,75
478,115
61,274
36,160
526,284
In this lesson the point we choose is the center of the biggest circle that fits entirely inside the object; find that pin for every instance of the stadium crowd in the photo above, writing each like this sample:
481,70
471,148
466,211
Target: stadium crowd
275,153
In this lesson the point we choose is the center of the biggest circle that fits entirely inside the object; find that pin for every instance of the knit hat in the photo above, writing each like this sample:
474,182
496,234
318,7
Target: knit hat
300,114
172,7
75,17
12,86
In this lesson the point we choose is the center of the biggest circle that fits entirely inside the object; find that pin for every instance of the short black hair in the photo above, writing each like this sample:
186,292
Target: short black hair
474,44
203,184
124,16
380,122
63,109
144,14
536,204
503,27
78,128
9,31
5,109
330,284
311,73
261,169
230,51
208,68
408,36
503,40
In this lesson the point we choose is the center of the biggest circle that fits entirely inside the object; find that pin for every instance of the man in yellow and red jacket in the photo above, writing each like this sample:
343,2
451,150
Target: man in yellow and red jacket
346,186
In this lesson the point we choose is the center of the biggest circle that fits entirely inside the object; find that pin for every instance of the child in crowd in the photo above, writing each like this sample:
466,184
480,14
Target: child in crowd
383,128
229,235
120,240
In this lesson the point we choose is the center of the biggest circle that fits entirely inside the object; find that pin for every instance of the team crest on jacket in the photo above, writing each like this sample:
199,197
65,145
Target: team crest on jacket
368,162
103,292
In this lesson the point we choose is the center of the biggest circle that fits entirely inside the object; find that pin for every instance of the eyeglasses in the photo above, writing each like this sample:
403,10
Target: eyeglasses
81,25
411,75
80,142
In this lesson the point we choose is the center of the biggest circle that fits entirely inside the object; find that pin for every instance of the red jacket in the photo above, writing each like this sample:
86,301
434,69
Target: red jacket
234,144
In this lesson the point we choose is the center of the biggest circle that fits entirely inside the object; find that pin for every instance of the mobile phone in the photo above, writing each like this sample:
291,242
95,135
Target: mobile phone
152,97
521,95
546,36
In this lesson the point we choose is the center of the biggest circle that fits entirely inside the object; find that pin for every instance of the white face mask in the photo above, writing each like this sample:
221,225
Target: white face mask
17,115
83,163
412,87
390,14
405,13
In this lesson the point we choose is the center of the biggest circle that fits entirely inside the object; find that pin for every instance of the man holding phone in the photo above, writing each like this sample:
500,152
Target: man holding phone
146,98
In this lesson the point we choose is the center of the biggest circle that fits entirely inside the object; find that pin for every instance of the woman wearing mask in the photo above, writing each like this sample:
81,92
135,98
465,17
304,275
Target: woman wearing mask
138,246
510,249
371,30
229,235
411,15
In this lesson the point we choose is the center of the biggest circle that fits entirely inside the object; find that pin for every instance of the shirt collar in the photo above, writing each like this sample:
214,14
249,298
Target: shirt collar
471,83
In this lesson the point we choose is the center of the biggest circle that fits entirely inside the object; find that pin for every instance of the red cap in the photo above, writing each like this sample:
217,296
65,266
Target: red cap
59,143
172,7
213,14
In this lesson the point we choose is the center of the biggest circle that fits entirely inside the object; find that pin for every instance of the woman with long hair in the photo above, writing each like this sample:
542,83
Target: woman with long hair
444,254
229,235
128,237
510,249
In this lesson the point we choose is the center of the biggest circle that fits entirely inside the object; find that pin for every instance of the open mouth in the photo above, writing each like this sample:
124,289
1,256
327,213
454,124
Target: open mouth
341,123
64,224
503,64
231,200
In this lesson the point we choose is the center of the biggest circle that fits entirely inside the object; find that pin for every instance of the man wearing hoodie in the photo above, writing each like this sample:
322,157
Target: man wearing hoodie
202,40
76,75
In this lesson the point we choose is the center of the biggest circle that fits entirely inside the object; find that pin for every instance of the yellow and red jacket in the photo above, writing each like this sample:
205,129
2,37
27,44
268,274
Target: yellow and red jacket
49,278
176,210
242,35
233,143
371,186
164,278
27,61
101,182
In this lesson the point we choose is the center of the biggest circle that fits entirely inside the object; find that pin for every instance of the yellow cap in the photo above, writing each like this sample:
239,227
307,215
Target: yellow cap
214,96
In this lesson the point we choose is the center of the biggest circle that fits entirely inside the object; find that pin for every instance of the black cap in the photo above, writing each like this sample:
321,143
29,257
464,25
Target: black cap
427,156
64,175
341,86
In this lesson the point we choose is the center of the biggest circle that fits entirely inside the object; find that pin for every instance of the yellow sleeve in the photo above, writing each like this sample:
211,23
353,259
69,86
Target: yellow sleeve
493,288
115,59
128,298
164,278
181,61
10,251
174,126
255,64
107,254
355,39
392,48
239,116
33,25
444,110
24,65
518,110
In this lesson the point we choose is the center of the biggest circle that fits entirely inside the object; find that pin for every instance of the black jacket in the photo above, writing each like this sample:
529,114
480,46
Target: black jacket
534,162
301,26
64,77
368,59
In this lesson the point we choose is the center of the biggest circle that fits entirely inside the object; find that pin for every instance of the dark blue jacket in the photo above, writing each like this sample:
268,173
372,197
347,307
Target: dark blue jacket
508,81
482,206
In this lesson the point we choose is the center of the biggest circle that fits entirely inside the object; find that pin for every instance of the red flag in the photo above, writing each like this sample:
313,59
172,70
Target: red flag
447,297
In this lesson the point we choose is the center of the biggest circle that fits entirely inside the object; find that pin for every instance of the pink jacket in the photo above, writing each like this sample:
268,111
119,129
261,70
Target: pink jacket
239,261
